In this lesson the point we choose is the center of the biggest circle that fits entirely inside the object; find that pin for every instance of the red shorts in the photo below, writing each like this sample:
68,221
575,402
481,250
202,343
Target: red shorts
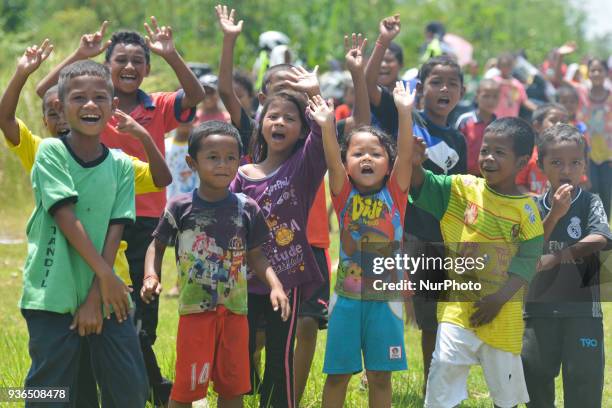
211,345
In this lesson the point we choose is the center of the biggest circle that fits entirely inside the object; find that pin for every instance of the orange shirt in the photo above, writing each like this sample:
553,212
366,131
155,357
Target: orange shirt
317,229
531,176
159,113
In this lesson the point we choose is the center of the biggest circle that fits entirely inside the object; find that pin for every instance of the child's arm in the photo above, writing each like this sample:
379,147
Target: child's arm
231,31
161,43
259,263
91,45
88,318
114,291
489,306
561,202
389,28
419,155
324,116
27,64
354,63
402,169
151,287
159,168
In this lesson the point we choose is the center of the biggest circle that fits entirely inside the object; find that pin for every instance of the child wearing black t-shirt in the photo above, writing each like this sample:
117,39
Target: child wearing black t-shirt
563,315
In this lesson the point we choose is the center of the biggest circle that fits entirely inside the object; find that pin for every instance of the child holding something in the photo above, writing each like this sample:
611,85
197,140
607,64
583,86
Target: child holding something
563,314
489,219
216,234
84,195
366,170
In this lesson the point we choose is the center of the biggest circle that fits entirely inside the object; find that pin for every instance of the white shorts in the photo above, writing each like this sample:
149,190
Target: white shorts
456,350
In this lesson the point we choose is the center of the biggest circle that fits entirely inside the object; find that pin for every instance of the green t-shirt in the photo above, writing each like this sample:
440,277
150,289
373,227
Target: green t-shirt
56,278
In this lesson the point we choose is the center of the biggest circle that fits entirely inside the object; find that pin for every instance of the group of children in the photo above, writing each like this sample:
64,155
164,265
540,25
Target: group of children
251,239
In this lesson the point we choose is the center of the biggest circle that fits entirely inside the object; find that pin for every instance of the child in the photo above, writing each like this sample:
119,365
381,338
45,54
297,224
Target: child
512,94
563,315
531,180
282,76
568,96
209,109
84,195
243,88
365,171
216,234
184,178
488,219
472,124
597,114
127,55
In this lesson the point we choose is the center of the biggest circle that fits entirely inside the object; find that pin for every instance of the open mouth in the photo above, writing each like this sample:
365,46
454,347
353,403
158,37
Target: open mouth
127,77
278,136
443,101
565,181
63,131
367,169
90,118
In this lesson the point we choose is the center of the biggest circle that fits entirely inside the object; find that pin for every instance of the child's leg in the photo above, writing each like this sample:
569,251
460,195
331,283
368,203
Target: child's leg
455,352
583,362
503,372
138,237
383,347
87,390
379,384
278,387
229,403
256,306
118,365
54,350
313,316
541,358
334,391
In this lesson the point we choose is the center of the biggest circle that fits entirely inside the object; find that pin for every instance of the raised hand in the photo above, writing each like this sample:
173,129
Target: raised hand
226,21
300,80
567,48
389,28
159,40
419,152
404,99
33,57
93,44
561,200
127,124
320,112
354,51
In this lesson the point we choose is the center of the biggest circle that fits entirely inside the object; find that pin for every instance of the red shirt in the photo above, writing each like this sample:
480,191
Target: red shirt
159,113
531,176
317,228
472,127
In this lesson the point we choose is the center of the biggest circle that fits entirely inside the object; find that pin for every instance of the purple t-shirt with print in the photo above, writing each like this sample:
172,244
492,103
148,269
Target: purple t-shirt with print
285,197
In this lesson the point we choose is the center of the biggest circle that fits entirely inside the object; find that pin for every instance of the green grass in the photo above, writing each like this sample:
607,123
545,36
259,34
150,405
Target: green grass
15,361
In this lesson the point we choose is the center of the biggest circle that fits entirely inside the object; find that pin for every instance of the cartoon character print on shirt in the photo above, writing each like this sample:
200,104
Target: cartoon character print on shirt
205,263
368,230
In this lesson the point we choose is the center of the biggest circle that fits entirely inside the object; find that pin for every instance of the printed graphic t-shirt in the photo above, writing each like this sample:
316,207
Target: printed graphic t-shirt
372,218
211,243
505,231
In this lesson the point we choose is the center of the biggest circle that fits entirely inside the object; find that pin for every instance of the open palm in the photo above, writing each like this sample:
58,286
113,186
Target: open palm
354,51
33,57
226,21
159,39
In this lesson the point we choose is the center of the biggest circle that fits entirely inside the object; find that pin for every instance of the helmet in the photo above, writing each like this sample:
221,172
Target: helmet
270,39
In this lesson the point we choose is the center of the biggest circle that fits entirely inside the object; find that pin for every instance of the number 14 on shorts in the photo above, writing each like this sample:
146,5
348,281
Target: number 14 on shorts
201,378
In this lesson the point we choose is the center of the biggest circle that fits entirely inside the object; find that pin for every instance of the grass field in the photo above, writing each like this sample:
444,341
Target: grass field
14,360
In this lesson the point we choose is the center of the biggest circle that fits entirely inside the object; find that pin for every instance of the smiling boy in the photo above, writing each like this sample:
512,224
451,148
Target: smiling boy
84,196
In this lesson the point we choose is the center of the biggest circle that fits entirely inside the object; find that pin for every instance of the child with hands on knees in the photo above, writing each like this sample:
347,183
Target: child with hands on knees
365,171
217,234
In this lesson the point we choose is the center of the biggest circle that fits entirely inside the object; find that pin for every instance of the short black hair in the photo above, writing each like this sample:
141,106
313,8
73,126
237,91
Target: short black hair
506,56
567,90
83,68
436,28
270,73
397,51
211,127
543,110
602,61
445,60
127,37
48,94
521,132
384,139
560,133
244,81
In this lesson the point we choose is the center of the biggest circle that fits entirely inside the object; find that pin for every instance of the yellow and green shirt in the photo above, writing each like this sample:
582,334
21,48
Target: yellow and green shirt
504,231
143,183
